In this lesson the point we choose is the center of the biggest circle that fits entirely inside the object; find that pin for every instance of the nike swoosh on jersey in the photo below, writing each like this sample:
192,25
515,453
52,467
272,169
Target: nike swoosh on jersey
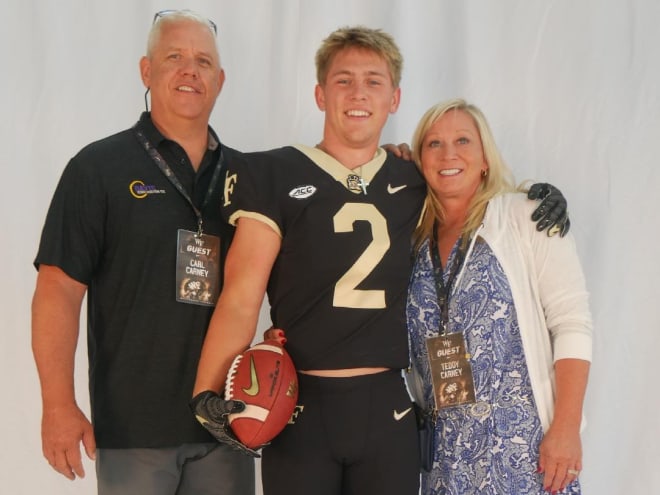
398,416
396,189
253,389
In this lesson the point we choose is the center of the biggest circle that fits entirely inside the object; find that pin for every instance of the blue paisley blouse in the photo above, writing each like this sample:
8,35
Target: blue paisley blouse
491,447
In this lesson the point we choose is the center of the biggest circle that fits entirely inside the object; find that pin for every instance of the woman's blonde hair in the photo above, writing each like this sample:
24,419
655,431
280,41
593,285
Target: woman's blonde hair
498,179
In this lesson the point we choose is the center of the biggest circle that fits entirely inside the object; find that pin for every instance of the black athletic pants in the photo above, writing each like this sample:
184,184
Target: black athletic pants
352,436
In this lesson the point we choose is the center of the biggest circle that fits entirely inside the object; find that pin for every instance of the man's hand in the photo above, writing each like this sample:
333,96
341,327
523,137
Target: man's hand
62,431
401,151
212,411
552,213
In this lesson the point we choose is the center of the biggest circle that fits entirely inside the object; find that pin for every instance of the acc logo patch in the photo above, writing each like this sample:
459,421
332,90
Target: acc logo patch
302,192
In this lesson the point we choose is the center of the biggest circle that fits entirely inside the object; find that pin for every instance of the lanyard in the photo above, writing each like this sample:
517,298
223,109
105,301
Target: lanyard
444,290
169,173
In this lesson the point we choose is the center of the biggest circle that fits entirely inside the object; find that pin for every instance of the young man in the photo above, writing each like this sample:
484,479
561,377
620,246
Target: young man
328,231
135,224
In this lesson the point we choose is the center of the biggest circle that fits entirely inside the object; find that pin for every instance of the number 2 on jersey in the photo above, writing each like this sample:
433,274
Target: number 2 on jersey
346,295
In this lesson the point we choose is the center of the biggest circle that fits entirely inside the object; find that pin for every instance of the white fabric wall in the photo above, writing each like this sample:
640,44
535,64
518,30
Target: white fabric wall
570,89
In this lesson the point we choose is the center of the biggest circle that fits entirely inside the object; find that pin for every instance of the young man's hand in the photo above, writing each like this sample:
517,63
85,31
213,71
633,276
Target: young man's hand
212,411
552,213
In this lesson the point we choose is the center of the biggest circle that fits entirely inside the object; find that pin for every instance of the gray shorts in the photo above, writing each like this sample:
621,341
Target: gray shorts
196,468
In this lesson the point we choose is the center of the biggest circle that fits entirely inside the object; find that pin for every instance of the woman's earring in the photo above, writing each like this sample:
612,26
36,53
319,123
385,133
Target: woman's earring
484,172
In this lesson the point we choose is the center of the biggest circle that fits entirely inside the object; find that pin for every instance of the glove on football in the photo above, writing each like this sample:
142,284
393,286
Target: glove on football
552,213
212,411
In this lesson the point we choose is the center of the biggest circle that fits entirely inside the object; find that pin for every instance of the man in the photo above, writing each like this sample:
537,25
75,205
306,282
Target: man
135,224
327,232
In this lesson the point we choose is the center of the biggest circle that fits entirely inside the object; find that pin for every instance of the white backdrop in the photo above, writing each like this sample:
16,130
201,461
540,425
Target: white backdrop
570,88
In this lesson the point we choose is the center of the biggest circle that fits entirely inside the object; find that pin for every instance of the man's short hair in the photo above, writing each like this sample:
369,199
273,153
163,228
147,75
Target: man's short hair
166,17
374,40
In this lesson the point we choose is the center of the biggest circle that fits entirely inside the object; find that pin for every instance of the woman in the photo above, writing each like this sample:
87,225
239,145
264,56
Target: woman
502,311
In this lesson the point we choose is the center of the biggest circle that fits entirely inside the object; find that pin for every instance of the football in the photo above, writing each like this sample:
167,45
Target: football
263,377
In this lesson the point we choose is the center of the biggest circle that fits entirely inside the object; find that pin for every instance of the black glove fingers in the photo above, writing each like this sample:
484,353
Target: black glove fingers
538,191
566,226
551,213
219,407
561,226
543,224
540,212
233,406
211,411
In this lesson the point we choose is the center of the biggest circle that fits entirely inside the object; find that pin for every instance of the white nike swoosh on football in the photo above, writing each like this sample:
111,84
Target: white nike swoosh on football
399,415
393,190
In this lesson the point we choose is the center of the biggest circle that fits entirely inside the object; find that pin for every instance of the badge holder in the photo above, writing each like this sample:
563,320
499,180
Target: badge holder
451,372
197,268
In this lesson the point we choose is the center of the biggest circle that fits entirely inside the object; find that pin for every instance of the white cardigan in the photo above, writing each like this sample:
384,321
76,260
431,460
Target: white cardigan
548,289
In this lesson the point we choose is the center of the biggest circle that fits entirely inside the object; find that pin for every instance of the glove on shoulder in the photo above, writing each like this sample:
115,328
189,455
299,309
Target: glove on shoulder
552,213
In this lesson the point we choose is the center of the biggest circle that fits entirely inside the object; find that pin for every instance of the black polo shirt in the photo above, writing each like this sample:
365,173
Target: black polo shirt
143,345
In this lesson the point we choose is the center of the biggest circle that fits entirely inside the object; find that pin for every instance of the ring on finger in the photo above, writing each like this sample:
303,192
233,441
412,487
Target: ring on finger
574,472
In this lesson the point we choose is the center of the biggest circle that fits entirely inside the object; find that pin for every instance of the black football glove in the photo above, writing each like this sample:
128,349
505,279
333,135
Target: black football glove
552,213
212,411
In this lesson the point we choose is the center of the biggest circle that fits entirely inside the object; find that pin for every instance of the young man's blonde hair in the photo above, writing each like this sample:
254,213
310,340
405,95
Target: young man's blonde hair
374,40
499,178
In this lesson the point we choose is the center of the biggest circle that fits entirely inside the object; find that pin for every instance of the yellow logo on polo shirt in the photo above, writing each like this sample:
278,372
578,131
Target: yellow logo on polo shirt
140,190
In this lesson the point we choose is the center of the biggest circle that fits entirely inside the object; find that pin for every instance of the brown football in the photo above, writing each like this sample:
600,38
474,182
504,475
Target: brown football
263,377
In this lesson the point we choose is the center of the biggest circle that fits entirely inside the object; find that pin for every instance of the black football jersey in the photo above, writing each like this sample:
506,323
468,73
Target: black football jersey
338,286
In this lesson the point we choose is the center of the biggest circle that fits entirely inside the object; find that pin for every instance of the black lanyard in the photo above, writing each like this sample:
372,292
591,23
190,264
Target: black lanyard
444,290
169,173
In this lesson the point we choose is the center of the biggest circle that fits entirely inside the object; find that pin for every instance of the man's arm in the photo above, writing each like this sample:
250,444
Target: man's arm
55,323
233,325
247,269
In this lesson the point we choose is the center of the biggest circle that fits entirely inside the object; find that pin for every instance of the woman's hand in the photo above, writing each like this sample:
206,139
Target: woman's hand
275,334
560,458
560,452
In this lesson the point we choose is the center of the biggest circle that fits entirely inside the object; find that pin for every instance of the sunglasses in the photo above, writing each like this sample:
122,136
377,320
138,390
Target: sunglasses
165,13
